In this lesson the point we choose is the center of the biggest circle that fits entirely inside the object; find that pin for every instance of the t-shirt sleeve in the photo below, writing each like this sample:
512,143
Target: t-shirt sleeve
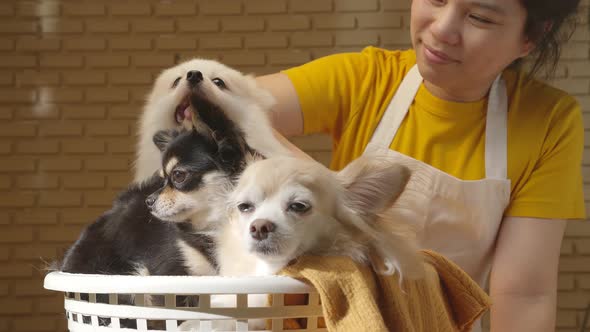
554,189
328,90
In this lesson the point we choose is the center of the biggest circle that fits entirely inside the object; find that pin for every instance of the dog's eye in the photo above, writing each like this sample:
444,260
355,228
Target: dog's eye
245,207
219,82
299,207
178,176
175,82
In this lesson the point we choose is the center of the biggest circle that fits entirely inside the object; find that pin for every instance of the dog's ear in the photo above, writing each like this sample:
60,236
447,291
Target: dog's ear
163,137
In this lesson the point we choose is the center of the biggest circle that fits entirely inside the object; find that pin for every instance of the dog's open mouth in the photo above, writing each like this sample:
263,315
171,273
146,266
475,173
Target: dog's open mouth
183,111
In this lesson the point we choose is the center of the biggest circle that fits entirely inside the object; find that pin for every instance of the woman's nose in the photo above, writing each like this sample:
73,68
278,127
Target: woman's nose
447,24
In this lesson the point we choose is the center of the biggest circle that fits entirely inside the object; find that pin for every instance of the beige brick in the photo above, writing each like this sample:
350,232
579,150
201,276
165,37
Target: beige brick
84,78
108,61
574,264
83,181
5,218
60,199
4,254
578,69
43,9
83,9
107,164
36,253
575,51
59,234
130,9
138,96
5,182
17,61
577,229
81,216
35,78
311,6
37,44
244,59
16,27
371,21
62,26
130,77
572,300
37,147
60,129
32,287
83,112
121,146
356,6
14,306
582,246
83,146
130,43
289,57
229,42
153,60
5,147
61,61
153,25
265,6
17,165
317,39
203,24
119,181
16,234
566,282
39,111
266,41
60,164
395,37
357,38
100,198
176,43
6,113
85,44
573,86
53,305
221,7
15,270
289,23
107,26
124,112
242,24
334,22
36,217
17,96
395,5
63,96
38,182
40,324
16,200
106,95
18,130
7,79
566,319
108,128
583,281
7,9
7,44
175,9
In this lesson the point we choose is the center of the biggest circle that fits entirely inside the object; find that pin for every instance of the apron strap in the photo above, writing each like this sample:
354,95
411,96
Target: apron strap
496,159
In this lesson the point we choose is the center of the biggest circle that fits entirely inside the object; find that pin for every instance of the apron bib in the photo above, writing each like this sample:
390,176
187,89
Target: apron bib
457,218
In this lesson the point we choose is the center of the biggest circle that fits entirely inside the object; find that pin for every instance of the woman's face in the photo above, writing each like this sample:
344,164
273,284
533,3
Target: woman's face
463,44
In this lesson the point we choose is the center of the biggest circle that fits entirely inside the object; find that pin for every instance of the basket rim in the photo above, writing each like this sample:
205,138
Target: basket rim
186,285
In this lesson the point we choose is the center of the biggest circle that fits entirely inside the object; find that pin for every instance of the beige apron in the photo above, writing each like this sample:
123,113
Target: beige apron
457,218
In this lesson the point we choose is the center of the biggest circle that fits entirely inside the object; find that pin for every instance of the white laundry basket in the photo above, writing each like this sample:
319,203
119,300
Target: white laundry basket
91,302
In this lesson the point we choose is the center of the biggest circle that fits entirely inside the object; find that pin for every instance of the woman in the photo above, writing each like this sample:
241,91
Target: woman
506,149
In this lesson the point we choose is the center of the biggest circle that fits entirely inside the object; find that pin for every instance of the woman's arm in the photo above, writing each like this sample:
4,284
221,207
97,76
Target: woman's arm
523,284
286,117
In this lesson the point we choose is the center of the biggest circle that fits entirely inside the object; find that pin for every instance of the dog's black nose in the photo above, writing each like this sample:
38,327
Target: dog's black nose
194,76
150,201
260,228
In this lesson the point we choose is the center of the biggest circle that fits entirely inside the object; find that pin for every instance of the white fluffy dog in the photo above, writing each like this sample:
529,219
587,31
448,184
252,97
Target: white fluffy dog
237,95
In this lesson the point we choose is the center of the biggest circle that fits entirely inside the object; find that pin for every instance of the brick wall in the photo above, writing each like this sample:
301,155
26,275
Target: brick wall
73,75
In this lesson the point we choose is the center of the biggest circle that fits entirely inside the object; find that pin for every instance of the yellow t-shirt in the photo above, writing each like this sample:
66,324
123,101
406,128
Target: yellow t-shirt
346,95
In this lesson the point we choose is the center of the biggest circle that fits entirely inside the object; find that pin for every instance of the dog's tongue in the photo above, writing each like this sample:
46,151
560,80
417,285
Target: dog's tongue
188,114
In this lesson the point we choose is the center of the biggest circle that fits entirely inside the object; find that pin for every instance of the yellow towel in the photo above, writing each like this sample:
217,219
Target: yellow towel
354,298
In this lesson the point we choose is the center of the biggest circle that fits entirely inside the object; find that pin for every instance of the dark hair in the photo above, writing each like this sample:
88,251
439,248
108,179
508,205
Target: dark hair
549,24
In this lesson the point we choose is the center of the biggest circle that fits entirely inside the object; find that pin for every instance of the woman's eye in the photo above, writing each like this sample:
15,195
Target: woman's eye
179,176
176,81
481,19
299,207
219,82
245,207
